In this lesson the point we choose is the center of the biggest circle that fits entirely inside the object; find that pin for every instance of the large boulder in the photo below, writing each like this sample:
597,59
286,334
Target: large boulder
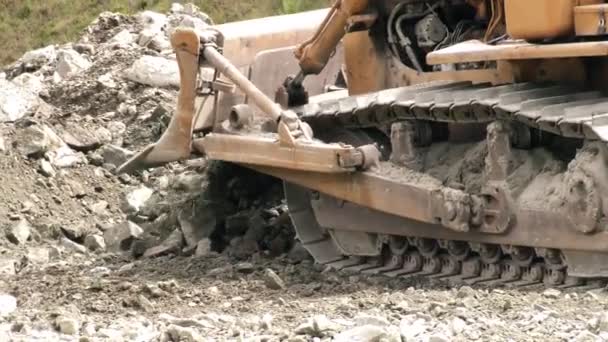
15,101
154,71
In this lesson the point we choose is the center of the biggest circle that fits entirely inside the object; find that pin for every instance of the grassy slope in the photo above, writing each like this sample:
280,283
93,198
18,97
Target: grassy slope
28,24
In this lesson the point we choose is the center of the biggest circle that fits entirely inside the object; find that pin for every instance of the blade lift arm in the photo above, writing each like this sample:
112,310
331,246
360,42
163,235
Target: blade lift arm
194,48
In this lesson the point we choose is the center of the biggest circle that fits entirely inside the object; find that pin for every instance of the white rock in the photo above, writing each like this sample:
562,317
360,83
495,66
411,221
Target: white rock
457,325
411,327
136,199
15,101
104,135
154,71
115,155
40,56
2,144
203,248
64,157
602,322
122,38
552,293
8,304
67,325
366,333
118,129
46,168
38,255
95,243
152,20
364,319
70,62
107,80
20,233
7,267
438,338
30,82
122,235
182,334
73,246
317,325
177,8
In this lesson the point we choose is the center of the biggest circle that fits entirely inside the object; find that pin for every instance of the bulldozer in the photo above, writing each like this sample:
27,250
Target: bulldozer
462,140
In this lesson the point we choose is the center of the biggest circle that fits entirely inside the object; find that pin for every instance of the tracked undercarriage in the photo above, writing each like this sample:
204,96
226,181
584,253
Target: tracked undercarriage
520,179
479,160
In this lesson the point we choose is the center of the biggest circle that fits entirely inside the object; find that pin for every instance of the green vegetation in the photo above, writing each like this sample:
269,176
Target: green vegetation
29,24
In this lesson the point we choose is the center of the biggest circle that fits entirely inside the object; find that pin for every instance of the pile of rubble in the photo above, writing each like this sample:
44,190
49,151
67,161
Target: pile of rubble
71,114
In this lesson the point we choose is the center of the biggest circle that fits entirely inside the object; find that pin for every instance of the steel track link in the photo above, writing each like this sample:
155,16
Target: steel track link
552,108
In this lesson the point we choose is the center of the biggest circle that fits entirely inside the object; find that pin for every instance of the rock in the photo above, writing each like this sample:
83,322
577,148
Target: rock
80,138
37,140
145,304
73,246
465,291
122,38
181,334
8,304
152,20
365,319
172,244
30,82
198,226
602,322
136,199
317,326
65,157
203,248
67,325
438,338
15,101
366,333
70,62
75,232
154,71
95,243
20,232
7,267
272,280
457,325
121,236
46,169
118,129
586,336
99,208
38,255
115,155
244,267
552,293
2,144
107,80
39,57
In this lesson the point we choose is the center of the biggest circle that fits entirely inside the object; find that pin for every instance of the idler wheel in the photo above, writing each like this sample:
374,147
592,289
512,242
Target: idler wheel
583,203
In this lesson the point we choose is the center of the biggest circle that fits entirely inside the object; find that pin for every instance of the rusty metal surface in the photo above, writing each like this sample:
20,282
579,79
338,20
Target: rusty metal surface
256,150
